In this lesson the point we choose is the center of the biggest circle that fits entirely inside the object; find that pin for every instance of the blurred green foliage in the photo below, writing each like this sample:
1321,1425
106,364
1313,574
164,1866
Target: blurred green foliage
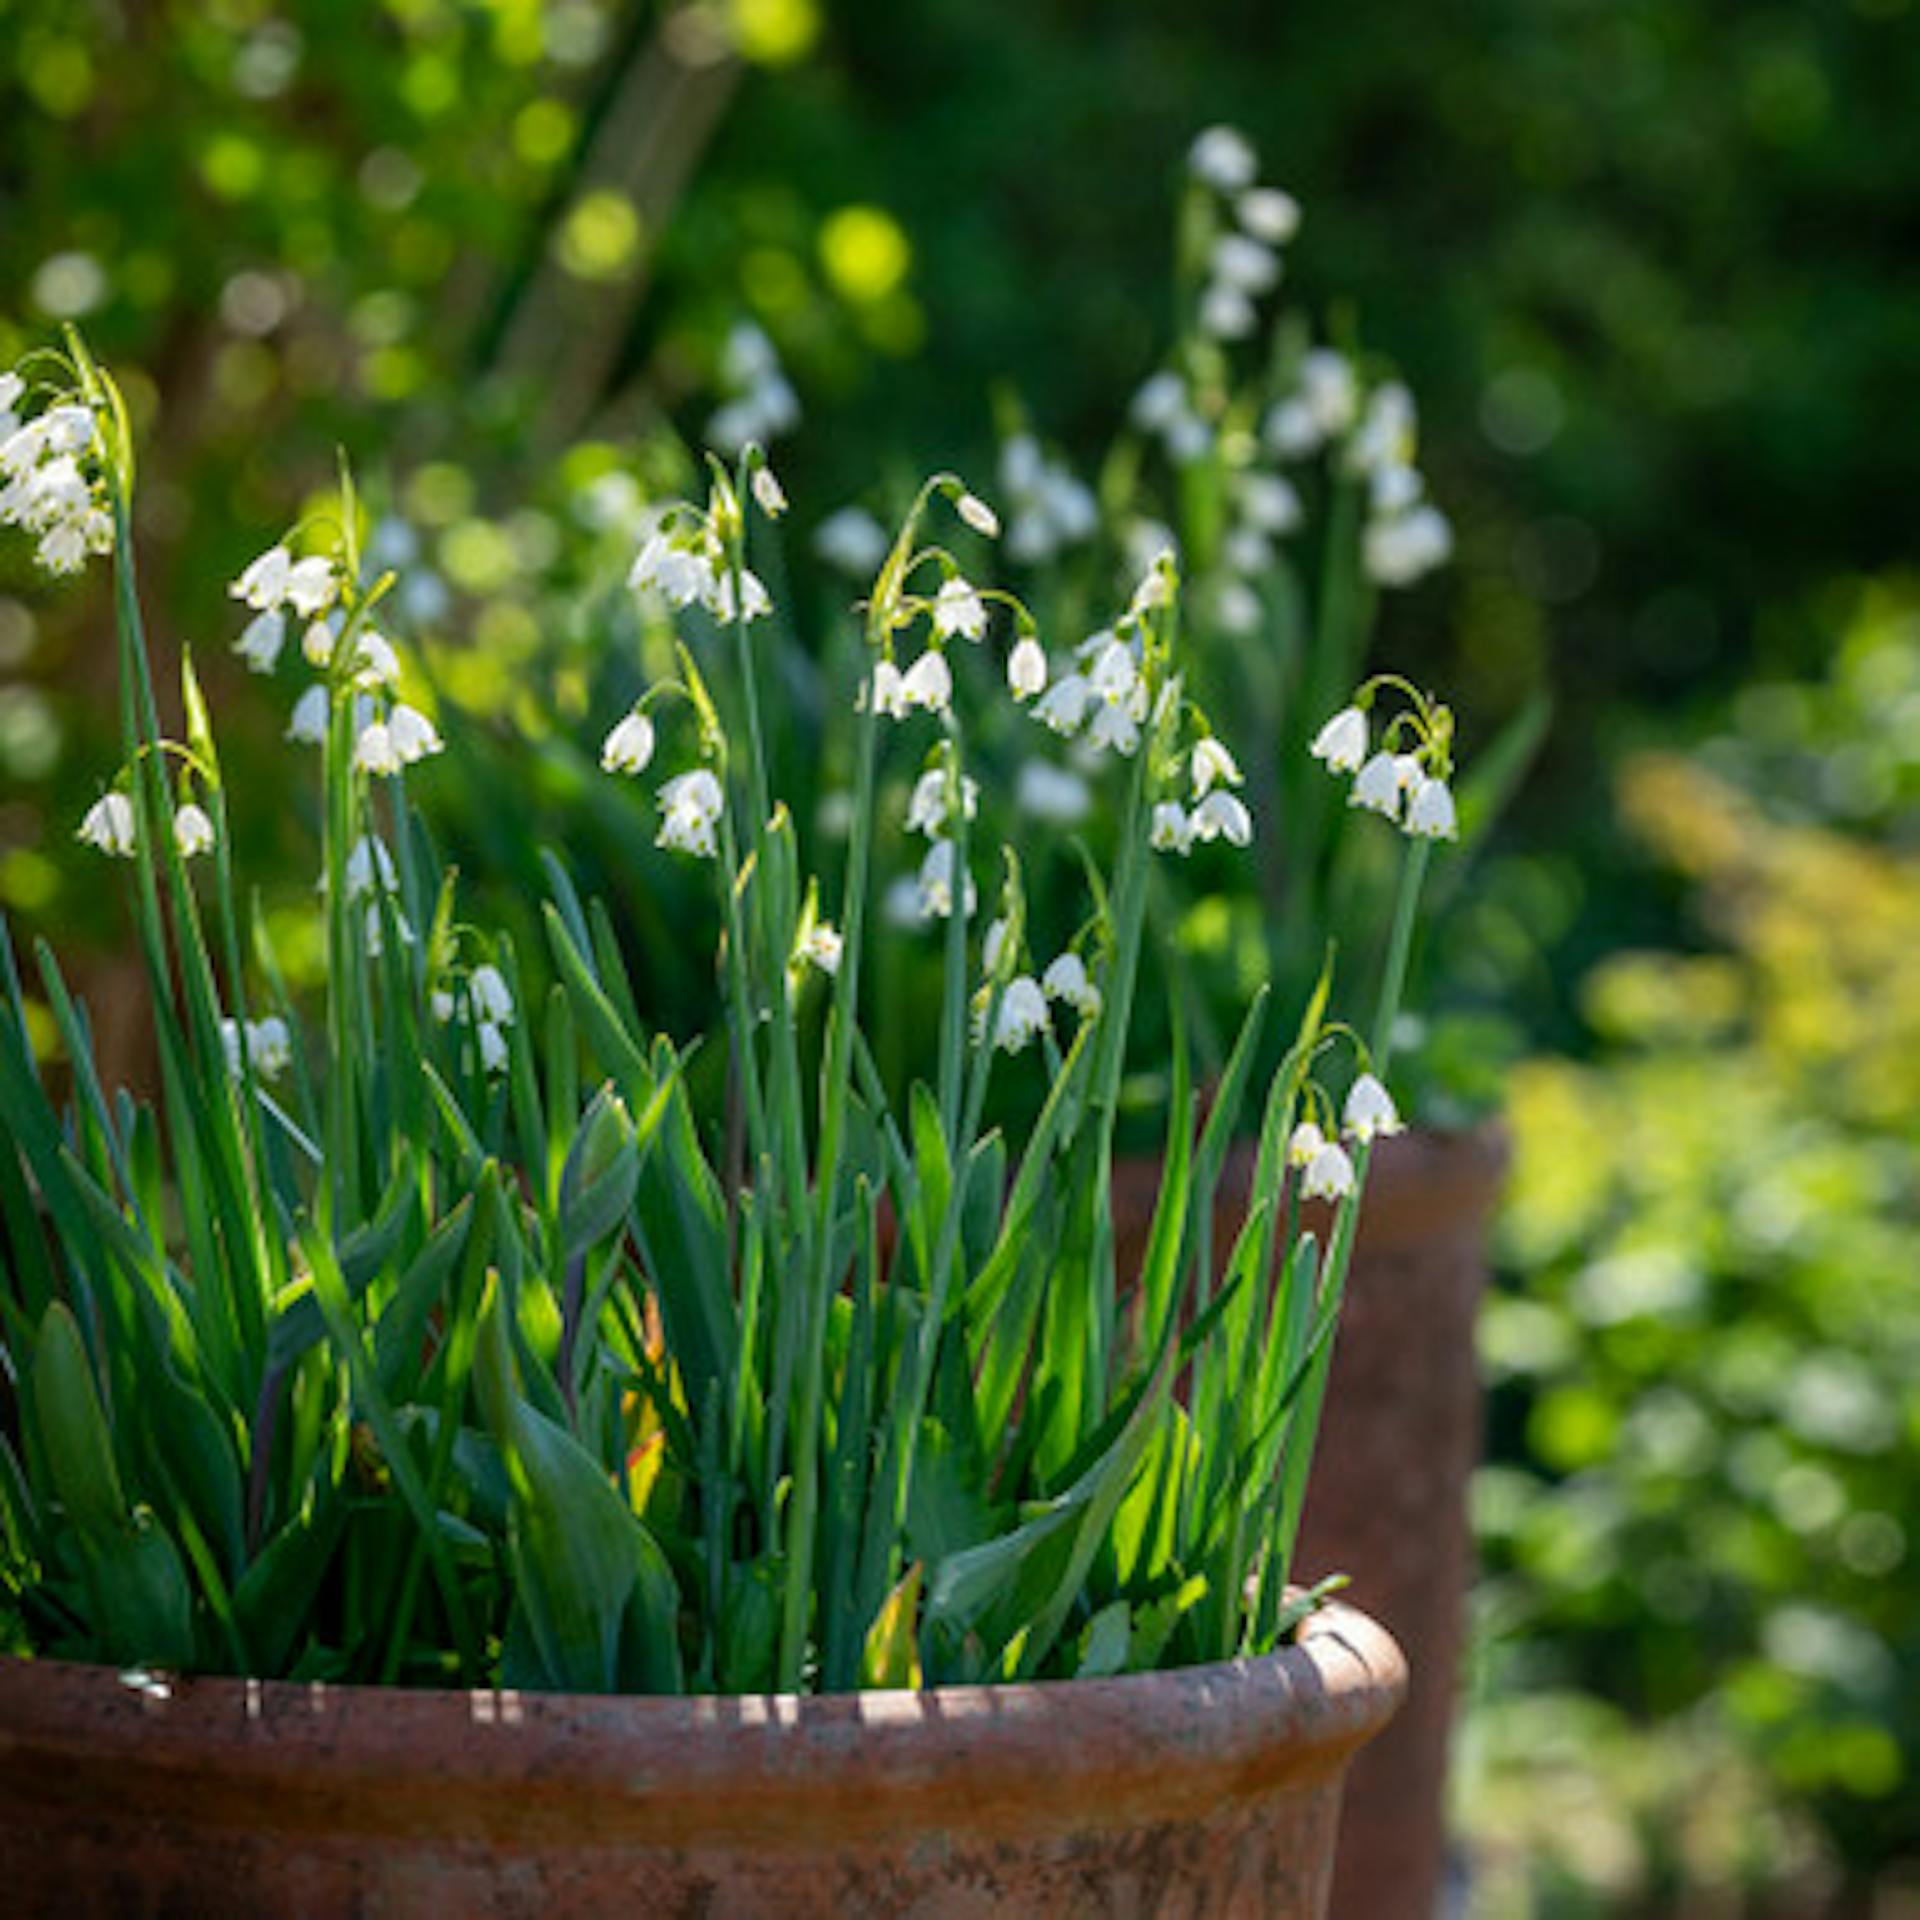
1705,1428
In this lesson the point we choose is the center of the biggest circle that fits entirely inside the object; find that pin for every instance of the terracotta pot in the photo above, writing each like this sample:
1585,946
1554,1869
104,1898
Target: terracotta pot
1398,1444
1206,1791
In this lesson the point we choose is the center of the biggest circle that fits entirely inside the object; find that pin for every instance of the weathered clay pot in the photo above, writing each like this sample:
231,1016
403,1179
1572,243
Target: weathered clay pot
1207,1791
1387,1502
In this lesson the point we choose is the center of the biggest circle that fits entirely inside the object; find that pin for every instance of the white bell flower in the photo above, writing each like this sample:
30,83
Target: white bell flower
413,734
1225,314
64,547
629,746
1170,830
1023,1014
1330,388
1243,263
312,586
1115,727
1269,502
1303,1143
374,751
936,884
1027,668
930,807
260,643
958,608
1067,981
822,947
1292,430
928,683
1430,811
1222,815
1382,781
1223,158
992,946
889,690
108,825
1269,214
1329,1174
1213,766
690,806
493,1048
1161,401
263,584
375,664
492,997
369,864
755,601
1370,1110
1063,706
1342,742
768,491
307,724
1401,548
192,830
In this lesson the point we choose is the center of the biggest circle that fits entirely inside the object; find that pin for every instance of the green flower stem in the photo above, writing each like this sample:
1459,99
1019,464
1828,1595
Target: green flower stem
954,994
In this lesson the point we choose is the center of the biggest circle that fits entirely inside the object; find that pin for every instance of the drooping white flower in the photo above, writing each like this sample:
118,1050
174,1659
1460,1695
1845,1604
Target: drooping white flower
108,825
1213,766
369,864
1303,1143
1393,487
493,1047
492,997
822,947
978,515
312,586
374,751
936,884
755,601
192,830
269,1046
55,493
1330,389
1224,159
263,584
316,644
690,807
1269,502
888,688
1225,314
63,548
1430,811
1243,263
1027,668
852,540
1342,742
1115,728
1023,1014
375,664
1370,1109
307,724
928,683
1115,673
413,734
931,806
1400,548
1269,214
629,747
259,645
958,608
768,491
11,388
1222,815
1170,831
1291,429
376,930
680,574
1067,981
1380,784
1054,795
1064,704
68,428
1329,1174
1161,401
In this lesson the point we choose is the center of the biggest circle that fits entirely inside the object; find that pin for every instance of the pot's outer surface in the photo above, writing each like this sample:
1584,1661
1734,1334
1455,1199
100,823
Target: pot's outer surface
1209,1791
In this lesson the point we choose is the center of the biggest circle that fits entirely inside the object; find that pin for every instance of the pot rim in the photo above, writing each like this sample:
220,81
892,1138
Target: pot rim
685,1770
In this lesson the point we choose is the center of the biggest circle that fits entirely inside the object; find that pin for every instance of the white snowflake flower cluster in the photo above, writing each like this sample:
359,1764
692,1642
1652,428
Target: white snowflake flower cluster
684,561
690,808
268,1046
1024,1013
1216,812
1049,508
1405,784
760,403
1244,261
51,482
1325,1167
489,1001
389,735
